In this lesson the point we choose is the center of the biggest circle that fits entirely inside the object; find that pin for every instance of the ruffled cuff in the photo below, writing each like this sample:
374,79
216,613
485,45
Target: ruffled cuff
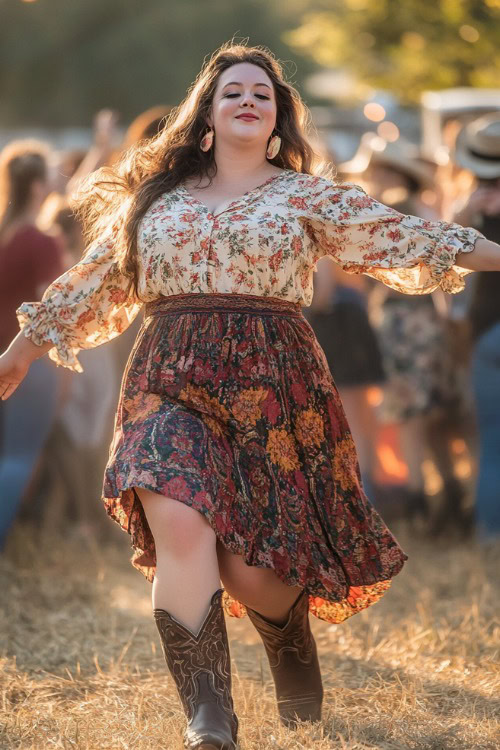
41,327
436,267
442,264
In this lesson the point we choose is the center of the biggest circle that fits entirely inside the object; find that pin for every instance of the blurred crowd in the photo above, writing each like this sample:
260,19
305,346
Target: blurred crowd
419,376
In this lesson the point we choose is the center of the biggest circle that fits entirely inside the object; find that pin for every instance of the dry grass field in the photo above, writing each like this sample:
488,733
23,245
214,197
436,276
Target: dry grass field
81,665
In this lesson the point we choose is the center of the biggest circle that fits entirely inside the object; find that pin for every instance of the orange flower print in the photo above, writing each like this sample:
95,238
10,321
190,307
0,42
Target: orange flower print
281,449
118,295
213,424
85,317
142,406
246,406
309,428
201,400
344,463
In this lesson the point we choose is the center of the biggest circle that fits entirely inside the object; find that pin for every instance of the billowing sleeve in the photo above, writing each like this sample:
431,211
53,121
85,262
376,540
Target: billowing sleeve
406,253
85,307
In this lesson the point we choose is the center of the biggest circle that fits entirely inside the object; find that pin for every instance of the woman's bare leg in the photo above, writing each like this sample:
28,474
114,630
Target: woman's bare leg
258,588
187,572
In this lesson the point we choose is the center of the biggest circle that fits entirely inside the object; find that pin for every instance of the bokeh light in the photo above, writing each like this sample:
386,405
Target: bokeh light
389,131
378,144
413,41
469,33
428,197
373,111
442,155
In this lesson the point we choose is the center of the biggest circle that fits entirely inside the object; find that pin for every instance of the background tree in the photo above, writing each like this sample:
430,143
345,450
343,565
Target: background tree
405,46
61,61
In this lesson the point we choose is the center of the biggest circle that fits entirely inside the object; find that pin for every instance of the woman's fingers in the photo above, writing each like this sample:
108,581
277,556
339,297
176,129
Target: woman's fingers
7,389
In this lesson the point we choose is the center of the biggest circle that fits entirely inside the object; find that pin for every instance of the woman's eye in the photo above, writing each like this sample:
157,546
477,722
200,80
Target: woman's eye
259,96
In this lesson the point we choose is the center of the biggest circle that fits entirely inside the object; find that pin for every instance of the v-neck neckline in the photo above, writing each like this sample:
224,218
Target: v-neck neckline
225,206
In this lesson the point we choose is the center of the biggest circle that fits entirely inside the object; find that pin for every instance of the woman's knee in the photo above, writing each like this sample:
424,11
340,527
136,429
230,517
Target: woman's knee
176,528
247,582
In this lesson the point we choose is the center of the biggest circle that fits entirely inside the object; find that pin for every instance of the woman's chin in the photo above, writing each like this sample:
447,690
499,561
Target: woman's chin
246,140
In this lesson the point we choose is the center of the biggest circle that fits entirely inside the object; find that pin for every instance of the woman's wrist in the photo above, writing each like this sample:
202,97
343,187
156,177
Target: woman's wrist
25,350
484,257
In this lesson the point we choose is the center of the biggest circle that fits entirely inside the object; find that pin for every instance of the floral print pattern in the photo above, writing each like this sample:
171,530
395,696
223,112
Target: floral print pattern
228,405
267,243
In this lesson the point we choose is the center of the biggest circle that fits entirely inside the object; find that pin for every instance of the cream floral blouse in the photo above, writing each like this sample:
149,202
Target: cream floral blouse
266,242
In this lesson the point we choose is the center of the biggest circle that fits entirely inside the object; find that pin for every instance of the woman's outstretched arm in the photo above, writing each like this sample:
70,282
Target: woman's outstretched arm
484,257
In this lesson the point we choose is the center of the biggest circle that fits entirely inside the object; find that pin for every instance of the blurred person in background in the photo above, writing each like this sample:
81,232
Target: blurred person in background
107,145
146,125
420,388
76,165
74,458
29,260
340,321
478,150
232,460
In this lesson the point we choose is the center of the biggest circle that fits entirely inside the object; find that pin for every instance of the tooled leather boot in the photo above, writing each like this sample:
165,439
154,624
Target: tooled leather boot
201,668
293,658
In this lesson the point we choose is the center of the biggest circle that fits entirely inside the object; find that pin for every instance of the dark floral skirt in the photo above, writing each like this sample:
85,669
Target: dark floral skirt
228,405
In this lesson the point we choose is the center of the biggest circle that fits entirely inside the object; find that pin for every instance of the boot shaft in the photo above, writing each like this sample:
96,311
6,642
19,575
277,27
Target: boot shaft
200,666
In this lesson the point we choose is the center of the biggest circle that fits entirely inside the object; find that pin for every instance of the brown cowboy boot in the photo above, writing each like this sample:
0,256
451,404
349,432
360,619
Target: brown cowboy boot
293,658
201,667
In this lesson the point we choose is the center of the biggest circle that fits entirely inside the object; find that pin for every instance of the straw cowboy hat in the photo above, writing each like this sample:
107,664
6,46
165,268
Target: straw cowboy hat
401,155
477,147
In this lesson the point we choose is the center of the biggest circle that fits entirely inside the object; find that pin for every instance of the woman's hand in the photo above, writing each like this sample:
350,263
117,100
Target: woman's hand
16,361
13,370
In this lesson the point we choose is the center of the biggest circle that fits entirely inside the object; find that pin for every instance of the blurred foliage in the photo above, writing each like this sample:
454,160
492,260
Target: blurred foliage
62,60
405,46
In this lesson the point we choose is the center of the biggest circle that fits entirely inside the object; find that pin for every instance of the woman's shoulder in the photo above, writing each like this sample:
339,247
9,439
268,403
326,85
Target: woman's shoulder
311,191
306,179
318,183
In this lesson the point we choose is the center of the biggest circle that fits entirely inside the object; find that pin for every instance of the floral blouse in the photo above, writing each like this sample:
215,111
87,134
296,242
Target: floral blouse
267,242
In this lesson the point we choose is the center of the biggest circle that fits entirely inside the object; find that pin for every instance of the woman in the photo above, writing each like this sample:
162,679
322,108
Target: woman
227,404
29,261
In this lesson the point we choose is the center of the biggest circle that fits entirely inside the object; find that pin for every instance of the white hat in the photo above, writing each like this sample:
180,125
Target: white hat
477,147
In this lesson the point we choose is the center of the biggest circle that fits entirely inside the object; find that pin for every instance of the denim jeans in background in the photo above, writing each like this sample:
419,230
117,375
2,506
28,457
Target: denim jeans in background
25,422
486,383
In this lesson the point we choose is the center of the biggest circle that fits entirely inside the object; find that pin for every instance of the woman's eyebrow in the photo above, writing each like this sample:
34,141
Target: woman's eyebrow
237,83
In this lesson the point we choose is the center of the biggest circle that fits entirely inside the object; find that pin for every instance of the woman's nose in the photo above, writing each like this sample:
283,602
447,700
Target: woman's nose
247,101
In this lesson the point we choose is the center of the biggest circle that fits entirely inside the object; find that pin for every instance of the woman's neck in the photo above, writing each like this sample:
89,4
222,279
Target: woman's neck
235,165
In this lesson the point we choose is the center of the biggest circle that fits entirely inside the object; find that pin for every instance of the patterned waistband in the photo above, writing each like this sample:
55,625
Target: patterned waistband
223,302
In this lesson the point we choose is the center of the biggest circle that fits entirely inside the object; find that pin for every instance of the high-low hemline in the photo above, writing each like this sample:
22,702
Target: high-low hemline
227,404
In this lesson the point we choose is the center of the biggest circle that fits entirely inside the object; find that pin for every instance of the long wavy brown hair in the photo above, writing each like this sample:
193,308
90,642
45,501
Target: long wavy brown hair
22,162
113,200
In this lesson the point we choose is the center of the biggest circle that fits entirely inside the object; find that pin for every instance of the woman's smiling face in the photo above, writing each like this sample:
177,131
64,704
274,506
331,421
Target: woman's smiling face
244,105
